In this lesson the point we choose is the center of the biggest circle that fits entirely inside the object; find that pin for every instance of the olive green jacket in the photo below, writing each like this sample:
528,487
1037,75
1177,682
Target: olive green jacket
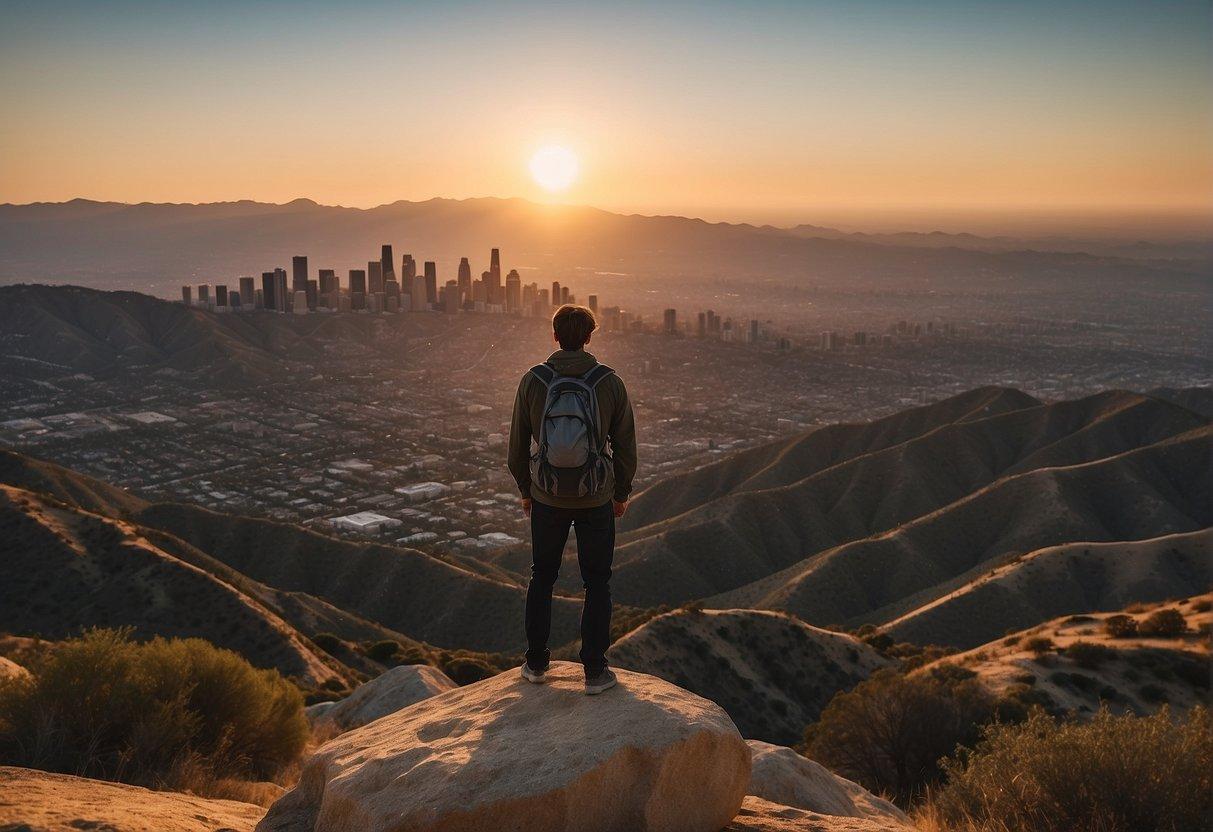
615,423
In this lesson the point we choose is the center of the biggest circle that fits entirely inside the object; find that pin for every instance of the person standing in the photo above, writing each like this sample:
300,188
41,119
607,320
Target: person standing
572,452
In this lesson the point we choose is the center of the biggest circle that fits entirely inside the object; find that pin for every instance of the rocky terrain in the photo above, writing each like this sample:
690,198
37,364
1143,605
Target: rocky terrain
771,672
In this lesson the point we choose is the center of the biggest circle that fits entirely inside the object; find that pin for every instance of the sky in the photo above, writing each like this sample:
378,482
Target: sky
860,114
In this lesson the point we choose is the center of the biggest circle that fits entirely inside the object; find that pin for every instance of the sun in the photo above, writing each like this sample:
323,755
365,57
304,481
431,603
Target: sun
554,168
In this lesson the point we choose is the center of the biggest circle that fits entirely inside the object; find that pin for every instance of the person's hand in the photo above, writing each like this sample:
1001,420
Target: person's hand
620,507
526,506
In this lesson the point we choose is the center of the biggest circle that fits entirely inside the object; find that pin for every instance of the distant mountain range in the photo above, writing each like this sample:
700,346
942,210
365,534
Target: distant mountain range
158,247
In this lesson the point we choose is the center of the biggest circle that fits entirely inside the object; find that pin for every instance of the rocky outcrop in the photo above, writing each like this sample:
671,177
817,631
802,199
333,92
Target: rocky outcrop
758,815
780,775
11,670
43,802
506,754
385,694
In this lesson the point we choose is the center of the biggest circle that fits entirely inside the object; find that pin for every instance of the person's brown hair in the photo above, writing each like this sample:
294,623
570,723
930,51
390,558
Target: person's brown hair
573,325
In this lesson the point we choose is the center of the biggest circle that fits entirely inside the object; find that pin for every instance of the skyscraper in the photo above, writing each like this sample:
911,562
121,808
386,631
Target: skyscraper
268,295
408,267
357,289
187,295
670,321
220,295
299,273
386,264
374,277
204,294
513,291
248,291
555,293
465,279
450,297
431,282
594,304
312,295
329,292
281,298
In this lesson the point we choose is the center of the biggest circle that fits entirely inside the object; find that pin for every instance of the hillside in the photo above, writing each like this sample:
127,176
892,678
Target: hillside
157,247
1062,580
67,570
1135,674
771,672
851,482
1156,490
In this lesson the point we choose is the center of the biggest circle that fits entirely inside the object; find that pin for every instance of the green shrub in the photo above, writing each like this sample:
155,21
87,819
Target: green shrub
1167,623
383,651
1120,626
327,642
1088,655
1110,774
465,670
890,731
103,706
1038,645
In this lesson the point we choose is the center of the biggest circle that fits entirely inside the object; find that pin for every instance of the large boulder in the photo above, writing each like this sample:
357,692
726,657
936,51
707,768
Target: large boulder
758,815
11,670
780,775
506,754
386,693
37,800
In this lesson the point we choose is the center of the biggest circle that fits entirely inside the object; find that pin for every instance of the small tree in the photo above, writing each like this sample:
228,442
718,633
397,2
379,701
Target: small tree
1167,623
1120,626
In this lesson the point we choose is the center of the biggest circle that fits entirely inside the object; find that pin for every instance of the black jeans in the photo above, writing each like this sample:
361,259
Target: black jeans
595,529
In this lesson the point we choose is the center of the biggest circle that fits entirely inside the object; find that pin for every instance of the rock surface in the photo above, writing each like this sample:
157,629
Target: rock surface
780,775
11,670
758,815
506,754
386,693
43,802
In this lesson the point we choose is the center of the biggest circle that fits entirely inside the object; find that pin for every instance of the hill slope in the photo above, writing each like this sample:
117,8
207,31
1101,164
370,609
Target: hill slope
845,484
772,673
1062,580
66,570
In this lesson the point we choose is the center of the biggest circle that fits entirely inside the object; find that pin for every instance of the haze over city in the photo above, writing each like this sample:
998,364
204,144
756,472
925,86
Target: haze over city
636,417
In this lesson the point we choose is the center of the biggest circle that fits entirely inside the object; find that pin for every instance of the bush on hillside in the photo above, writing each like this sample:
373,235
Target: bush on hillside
383,651
890,731
328,642
1167,623
1089,655
104,706
465,670
1120,626
1039,645
1111,774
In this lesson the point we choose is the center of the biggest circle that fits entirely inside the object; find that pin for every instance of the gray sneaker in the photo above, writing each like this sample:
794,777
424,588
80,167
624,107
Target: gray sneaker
535,677
599,682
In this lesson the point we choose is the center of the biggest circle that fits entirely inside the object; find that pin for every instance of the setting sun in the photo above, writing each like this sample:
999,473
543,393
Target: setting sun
554,168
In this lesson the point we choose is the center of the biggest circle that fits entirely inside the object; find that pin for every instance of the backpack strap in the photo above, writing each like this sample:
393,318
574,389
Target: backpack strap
596,374
544,372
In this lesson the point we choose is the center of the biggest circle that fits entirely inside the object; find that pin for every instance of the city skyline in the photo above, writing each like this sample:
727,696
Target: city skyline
940,115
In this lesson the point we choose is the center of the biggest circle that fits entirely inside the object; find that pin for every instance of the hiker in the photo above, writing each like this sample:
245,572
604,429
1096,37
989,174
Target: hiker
575,414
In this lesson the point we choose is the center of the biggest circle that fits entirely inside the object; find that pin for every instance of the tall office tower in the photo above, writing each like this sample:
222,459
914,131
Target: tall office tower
374,277
187,295
248,291
357,289
299,273
299,304
386,264
545,300
204,295
233,297
480,290
565,295
268,296
701,325
420,303
555,293
281,298
259,300
450,297
495,265
408,268
328,288
391,295
465,278
431,282
594,304
529,293
220,295
670,321
753,331
312,293
513,292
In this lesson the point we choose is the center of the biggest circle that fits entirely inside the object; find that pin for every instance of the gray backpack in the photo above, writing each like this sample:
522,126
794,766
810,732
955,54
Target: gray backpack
569,462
